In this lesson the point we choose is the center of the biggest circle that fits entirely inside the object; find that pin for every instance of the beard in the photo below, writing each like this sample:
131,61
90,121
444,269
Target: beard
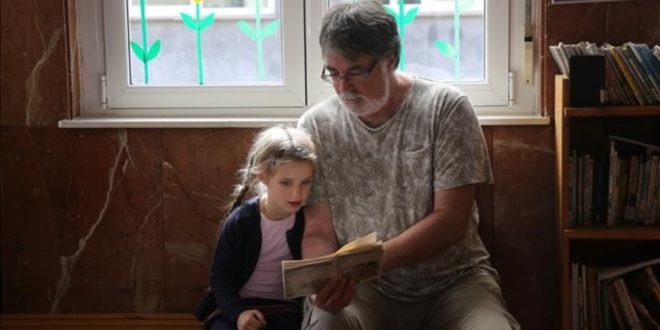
362,106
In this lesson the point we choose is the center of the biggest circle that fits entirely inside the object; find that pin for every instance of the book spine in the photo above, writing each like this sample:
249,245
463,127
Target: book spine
646,68
588,189
650,198
632,64
627,309
631,200
624,167
629,97
628,75
611,184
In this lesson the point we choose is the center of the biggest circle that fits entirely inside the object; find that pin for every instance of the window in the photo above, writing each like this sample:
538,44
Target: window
257,62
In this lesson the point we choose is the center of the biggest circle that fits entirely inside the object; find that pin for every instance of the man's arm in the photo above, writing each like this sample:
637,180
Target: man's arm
319,237
445,226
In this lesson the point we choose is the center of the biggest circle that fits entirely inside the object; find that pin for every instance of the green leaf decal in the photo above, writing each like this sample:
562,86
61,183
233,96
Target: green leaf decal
445,49
246,28
269,29
154,50
206,22
465,5
410,15
139,53
392,12
189,21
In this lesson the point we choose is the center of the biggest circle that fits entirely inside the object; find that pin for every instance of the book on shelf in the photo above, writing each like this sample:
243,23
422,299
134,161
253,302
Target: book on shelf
618,186
639,181
612,272
632,70
614,310
645,283
647,320
628,295
624,304
596,289
646,68
359,260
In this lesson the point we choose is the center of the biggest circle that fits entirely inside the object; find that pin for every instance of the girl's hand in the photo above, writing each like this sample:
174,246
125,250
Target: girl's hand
251,319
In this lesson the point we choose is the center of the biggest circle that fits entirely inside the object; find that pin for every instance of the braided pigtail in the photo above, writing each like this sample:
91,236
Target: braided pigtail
242,189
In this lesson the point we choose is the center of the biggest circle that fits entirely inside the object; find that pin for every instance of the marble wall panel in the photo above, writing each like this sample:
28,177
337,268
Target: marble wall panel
199,170
523,212
33,76
82,224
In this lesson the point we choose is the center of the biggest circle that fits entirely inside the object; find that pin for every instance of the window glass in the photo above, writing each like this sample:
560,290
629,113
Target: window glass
441,39
192,43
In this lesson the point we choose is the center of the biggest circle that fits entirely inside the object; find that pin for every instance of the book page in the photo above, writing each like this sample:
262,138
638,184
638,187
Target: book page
303,279
359,260
368,240
361,265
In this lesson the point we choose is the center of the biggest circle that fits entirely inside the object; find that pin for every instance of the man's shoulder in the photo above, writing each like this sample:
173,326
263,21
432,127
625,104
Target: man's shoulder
425,85
324,112
323,108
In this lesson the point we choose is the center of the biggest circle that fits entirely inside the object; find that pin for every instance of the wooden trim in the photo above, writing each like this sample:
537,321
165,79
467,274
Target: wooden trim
100,321
612,111
561,195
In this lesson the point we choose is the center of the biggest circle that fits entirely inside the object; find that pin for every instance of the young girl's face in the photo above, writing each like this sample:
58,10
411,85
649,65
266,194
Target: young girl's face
288,186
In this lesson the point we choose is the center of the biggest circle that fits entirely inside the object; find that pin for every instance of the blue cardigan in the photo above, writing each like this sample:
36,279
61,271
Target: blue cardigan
237,252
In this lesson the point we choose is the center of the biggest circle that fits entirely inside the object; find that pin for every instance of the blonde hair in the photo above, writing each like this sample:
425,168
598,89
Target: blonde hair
271,148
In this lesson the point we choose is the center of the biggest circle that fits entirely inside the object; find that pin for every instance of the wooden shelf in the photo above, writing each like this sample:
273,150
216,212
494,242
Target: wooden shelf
631,232
612,111
586,240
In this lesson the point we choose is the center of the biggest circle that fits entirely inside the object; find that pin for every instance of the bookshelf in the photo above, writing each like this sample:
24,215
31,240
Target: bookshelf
588,127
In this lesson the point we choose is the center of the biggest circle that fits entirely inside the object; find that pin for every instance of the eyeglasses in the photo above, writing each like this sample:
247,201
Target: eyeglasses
360,75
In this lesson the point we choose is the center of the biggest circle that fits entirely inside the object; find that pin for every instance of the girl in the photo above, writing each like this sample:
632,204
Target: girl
260,232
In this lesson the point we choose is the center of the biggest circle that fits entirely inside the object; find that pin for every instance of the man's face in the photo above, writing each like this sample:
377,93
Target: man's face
363,84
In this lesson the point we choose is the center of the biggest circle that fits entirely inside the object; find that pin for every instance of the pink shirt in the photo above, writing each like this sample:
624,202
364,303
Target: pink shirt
266,280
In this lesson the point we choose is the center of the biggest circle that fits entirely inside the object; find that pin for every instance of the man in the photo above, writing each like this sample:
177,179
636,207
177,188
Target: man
401,156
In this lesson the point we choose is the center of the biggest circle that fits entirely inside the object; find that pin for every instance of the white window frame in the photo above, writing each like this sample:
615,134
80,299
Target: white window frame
172,11
264,105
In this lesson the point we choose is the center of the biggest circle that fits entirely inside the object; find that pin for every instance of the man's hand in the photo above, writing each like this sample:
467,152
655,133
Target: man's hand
251,319
335,295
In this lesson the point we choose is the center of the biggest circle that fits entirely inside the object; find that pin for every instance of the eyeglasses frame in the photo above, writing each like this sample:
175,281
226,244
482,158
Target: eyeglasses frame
348,76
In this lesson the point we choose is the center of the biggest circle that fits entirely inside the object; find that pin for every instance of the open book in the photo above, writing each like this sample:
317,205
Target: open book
359,260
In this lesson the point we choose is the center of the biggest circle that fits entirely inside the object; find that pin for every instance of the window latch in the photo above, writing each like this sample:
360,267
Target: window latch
104,92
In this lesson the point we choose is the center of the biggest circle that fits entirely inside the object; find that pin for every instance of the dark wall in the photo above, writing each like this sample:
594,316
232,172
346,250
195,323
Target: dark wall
125,220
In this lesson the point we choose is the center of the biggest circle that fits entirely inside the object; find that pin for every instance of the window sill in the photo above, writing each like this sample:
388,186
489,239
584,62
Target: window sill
514,120
217,122
172,122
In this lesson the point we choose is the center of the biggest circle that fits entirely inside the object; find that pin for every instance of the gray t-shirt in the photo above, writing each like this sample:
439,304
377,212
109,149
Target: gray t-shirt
383,179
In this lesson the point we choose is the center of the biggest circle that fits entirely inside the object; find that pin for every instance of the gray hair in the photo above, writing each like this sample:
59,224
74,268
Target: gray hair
271,148
364,27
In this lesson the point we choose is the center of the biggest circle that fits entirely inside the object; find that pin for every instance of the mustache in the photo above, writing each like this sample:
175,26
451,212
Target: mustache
349,95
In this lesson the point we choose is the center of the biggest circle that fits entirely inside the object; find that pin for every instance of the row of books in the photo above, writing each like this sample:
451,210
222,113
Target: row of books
623,297
621,186
632,70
